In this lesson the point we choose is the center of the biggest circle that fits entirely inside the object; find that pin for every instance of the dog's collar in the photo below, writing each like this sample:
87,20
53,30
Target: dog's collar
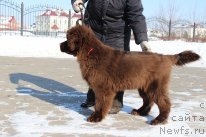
89,52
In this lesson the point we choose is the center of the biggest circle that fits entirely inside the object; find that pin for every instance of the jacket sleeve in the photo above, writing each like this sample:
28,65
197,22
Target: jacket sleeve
136,20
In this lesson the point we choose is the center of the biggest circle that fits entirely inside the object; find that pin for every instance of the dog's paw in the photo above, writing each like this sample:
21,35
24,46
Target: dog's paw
135,112
95,118
140,112
154,122
158,122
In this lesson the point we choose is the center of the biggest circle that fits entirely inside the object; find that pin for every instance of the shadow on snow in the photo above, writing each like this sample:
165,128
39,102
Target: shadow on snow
51,91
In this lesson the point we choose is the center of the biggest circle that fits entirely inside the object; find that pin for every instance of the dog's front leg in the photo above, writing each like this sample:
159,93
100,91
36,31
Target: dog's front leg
103,103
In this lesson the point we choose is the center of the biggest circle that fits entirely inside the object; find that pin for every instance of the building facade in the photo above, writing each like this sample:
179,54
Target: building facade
55,21
8,23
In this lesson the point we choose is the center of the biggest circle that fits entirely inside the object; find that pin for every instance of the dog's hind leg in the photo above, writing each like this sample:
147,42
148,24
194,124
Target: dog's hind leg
147,104
163,103
103,103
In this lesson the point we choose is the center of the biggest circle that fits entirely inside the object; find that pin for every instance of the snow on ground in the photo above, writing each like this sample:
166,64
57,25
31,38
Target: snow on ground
35,124
18,46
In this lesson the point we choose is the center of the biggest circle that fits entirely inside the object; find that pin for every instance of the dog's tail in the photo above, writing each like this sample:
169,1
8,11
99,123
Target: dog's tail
185,57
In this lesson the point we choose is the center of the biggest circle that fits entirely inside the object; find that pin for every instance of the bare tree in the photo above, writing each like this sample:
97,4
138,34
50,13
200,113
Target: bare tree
167,19
195,20
170,22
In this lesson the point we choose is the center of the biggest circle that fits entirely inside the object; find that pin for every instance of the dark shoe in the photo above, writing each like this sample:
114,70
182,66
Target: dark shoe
90,101
87,104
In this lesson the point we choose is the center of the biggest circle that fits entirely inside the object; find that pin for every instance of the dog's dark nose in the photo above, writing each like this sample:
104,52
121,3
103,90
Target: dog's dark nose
64,46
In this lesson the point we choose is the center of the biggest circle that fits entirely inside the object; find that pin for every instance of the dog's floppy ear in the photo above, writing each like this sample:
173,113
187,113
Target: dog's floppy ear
75,37
71,40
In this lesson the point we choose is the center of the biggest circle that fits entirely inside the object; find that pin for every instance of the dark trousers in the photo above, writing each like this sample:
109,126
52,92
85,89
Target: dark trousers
118,97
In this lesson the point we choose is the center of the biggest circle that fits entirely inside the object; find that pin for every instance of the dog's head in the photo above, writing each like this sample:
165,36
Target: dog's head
75,40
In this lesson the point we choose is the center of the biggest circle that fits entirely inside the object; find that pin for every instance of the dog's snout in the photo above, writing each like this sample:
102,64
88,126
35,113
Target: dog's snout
64,46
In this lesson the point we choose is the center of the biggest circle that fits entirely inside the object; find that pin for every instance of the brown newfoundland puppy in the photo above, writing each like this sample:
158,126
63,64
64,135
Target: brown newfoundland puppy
107,71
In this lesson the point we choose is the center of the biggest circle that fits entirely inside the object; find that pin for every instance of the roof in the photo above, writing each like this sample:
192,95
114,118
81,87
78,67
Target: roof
7,19
75,15
8,23
55,27
55,12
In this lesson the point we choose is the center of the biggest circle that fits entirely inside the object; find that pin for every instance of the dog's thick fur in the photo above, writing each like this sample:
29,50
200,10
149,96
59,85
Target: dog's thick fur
107,71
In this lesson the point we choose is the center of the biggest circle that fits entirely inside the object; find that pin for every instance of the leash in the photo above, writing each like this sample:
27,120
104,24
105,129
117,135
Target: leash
81,7
82,19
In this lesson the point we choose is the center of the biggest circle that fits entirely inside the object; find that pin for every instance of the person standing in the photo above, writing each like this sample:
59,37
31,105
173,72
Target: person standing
112,22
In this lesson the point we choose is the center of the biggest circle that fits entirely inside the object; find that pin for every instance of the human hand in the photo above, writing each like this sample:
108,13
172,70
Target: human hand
77,5
145,46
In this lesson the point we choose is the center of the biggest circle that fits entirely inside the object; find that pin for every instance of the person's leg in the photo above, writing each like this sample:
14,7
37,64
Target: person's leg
116,106
117,103
90,101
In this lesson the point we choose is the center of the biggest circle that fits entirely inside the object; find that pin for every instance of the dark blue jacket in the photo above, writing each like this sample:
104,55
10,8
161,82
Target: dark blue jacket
112,21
